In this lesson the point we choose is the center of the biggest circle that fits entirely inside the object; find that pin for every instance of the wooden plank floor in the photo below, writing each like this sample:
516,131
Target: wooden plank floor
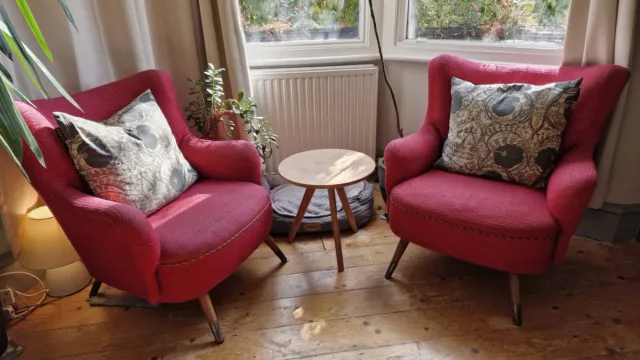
435,308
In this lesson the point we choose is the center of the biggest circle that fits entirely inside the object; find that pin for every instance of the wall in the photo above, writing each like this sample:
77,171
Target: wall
409,81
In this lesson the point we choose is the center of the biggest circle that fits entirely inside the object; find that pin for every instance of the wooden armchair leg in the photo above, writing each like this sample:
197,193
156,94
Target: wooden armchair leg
212,319
514,286
276,250
402,246
95,287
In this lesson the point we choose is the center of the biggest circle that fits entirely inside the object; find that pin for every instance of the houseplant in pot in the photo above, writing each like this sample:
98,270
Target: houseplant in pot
218,117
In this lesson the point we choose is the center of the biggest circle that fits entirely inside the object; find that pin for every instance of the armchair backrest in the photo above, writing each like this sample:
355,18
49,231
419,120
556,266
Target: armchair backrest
599,93
98,104
116,242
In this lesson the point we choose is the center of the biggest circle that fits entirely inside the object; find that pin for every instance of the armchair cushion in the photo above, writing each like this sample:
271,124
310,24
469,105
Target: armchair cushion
466,216
130,158
208,231
507,132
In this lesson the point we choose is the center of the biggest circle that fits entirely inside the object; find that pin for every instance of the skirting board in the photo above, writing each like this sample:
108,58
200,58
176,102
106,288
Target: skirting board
613,223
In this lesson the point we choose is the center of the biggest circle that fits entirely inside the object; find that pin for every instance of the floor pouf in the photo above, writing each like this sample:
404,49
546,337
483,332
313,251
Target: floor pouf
286,199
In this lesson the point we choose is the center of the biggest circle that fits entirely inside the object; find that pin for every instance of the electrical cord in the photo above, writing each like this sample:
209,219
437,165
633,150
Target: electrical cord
27,309
384,69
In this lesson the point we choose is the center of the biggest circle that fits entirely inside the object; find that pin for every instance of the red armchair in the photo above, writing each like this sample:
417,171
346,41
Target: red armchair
500,225
186,248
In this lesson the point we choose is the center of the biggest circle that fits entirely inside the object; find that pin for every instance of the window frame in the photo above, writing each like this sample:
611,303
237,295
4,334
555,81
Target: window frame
396,46
263,54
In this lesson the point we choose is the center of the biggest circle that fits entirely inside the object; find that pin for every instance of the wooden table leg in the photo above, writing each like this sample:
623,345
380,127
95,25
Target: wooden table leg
347,209
306,199
336,228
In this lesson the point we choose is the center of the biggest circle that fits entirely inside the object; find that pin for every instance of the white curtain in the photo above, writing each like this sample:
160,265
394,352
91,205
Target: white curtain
115,39
604,32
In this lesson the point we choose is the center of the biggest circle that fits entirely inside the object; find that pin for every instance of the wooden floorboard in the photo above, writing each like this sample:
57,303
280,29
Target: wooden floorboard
436,307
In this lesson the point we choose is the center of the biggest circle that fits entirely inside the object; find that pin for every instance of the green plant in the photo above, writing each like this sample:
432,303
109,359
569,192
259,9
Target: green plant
13,128
305,14
209,110
489,14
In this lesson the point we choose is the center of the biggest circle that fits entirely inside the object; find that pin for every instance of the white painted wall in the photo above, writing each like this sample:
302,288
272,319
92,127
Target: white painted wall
409,81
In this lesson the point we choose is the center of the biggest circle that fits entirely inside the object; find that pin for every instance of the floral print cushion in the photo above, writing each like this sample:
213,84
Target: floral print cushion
508,132
131,158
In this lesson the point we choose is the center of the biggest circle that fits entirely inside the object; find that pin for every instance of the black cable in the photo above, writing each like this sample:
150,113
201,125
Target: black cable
384,68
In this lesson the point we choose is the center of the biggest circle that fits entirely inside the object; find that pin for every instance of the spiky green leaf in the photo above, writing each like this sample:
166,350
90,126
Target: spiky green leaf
35,29
18,48
15,90
67,12
23,62
5,48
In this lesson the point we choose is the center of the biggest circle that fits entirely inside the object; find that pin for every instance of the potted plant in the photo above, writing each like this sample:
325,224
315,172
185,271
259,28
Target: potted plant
216,116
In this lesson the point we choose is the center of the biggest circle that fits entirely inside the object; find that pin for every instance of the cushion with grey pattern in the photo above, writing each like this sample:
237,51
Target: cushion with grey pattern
508,132
131,158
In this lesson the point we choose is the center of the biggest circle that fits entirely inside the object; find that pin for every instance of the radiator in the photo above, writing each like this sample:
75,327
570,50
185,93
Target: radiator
318,108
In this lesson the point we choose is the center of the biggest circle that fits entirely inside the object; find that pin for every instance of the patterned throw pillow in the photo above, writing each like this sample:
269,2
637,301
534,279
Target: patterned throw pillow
130,158
507,132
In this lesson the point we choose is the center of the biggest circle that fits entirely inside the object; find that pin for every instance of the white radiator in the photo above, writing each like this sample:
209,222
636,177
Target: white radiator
318,108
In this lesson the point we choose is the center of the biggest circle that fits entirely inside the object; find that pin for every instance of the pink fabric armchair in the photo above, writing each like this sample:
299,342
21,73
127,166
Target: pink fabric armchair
500,225
186,248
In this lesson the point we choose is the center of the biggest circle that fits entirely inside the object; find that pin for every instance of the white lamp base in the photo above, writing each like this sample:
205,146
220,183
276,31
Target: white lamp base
67,280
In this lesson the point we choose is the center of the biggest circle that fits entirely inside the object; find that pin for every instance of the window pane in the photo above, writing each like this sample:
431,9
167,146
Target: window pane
516,21
300,20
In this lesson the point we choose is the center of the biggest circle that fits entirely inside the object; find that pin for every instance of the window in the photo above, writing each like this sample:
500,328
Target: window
540,22
300,20
505,31
308,32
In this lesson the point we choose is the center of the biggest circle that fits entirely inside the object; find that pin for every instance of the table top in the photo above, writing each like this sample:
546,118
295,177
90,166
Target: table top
326,168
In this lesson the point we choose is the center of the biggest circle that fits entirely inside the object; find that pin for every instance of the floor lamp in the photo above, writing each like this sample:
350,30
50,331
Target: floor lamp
44,246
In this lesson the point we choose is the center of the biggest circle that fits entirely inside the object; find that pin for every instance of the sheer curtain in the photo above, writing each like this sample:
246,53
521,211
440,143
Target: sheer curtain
117,38
604,32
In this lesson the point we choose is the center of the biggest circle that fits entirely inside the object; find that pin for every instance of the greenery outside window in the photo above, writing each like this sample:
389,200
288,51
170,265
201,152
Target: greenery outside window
300,20
540,22
308,32
503,31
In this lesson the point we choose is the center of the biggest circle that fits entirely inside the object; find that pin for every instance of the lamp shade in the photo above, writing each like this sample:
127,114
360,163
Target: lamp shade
43,244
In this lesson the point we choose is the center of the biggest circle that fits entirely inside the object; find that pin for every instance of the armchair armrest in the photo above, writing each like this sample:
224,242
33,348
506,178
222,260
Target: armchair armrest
411,156
115,241
568,192
225,160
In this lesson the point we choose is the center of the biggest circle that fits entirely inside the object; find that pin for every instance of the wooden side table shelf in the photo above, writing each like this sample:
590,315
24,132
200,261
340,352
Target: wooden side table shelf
330,169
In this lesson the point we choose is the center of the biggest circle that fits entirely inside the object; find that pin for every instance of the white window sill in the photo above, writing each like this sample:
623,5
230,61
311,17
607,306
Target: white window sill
315,61
422,56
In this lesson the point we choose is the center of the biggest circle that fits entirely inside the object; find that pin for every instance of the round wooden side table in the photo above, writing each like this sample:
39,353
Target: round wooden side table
330,169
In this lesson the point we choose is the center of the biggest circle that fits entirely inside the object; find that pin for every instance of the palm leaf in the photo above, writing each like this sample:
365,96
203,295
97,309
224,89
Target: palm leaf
34,60
52,79
67,12
7,125
15,90
33,25
5,48
6,147
4,70
23,62
18,47
14,128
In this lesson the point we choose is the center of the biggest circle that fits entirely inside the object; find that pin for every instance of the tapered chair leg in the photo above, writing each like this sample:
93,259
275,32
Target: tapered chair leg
402,246
95,287
276,250
514,286
212,319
